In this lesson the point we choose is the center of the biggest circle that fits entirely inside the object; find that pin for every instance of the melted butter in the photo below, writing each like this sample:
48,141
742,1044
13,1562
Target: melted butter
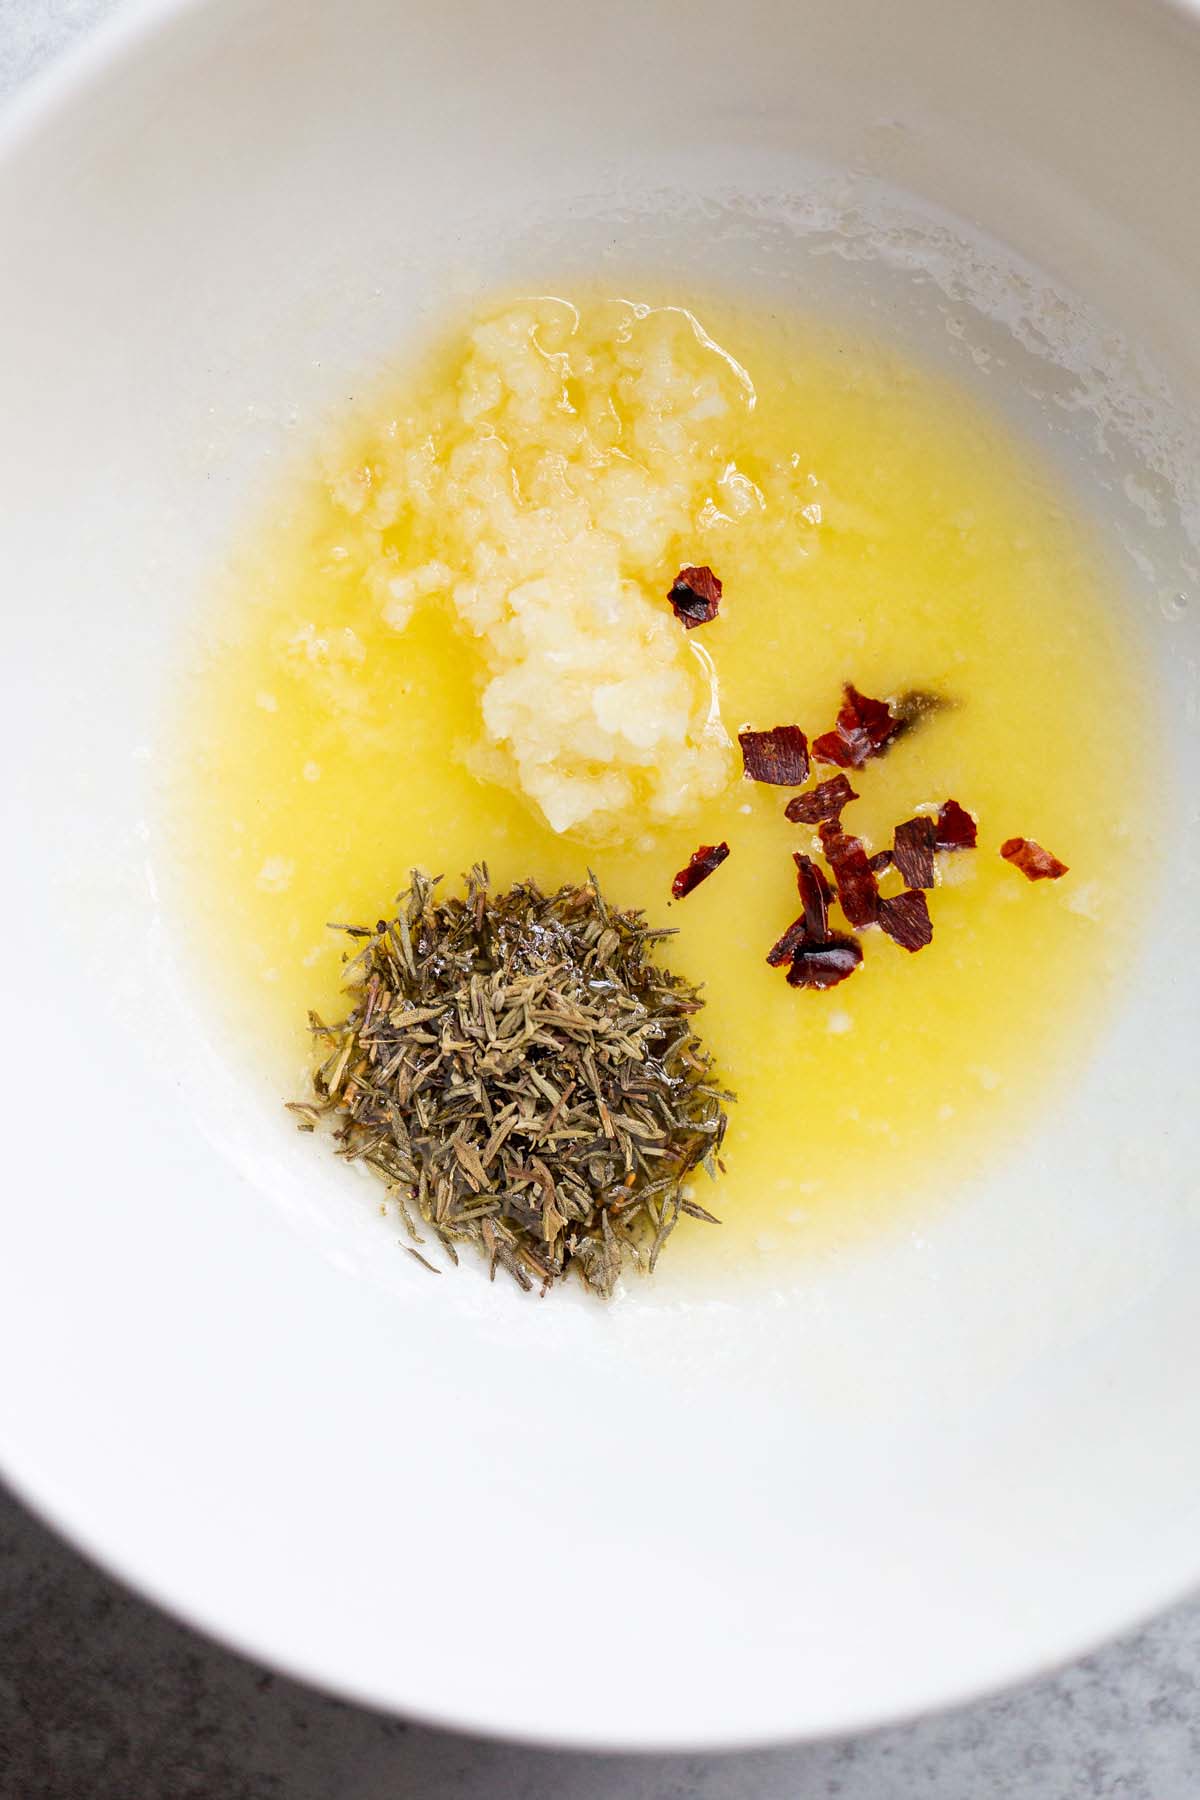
914,544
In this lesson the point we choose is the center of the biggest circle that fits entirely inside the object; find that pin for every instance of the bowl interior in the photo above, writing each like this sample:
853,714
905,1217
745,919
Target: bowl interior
874,1484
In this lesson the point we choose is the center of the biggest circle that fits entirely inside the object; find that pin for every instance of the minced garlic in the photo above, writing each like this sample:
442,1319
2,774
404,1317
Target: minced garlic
541,489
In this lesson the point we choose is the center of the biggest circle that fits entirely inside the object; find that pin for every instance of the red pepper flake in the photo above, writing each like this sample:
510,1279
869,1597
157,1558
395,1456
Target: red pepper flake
1032,860
785,947
815,895
913,845
955,828
823,802
701,865
857,889
864,728
812,927
881,860
778,756
824,965
905,918
695,596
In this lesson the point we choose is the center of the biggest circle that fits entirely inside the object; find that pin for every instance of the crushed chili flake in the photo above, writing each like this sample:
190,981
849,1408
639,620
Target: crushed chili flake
815,895
784,948
864,728
695,596
824,965
778,756
857,889
823,802
913,845
955,828
700,866
905,918
1032,860
812,927
881,860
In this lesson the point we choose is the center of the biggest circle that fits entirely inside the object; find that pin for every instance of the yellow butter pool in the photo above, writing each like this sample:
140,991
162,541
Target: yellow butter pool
868,522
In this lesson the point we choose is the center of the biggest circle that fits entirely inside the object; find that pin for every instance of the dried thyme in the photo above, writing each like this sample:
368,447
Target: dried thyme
520,1072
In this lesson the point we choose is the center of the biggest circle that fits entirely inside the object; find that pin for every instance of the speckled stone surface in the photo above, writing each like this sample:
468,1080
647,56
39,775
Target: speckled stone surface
103,1698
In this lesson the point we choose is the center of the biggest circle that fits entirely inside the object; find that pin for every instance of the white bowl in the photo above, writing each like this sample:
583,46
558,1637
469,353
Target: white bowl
882,1483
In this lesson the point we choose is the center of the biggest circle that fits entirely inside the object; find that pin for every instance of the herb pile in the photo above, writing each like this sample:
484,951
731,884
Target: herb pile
520,1071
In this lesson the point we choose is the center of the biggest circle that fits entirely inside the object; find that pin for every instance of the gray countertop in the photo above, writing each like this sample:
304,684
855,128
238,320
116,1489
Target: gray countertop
103,1698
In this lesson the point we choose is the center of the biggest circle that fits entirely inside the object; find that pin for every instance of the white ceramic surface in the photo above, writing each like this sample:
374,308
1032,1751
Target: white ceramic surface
858,1490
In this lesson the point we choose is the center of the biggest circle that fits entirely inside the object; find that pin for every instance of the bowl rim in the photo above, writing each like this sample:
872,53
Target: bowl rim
1014,1674
77,70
